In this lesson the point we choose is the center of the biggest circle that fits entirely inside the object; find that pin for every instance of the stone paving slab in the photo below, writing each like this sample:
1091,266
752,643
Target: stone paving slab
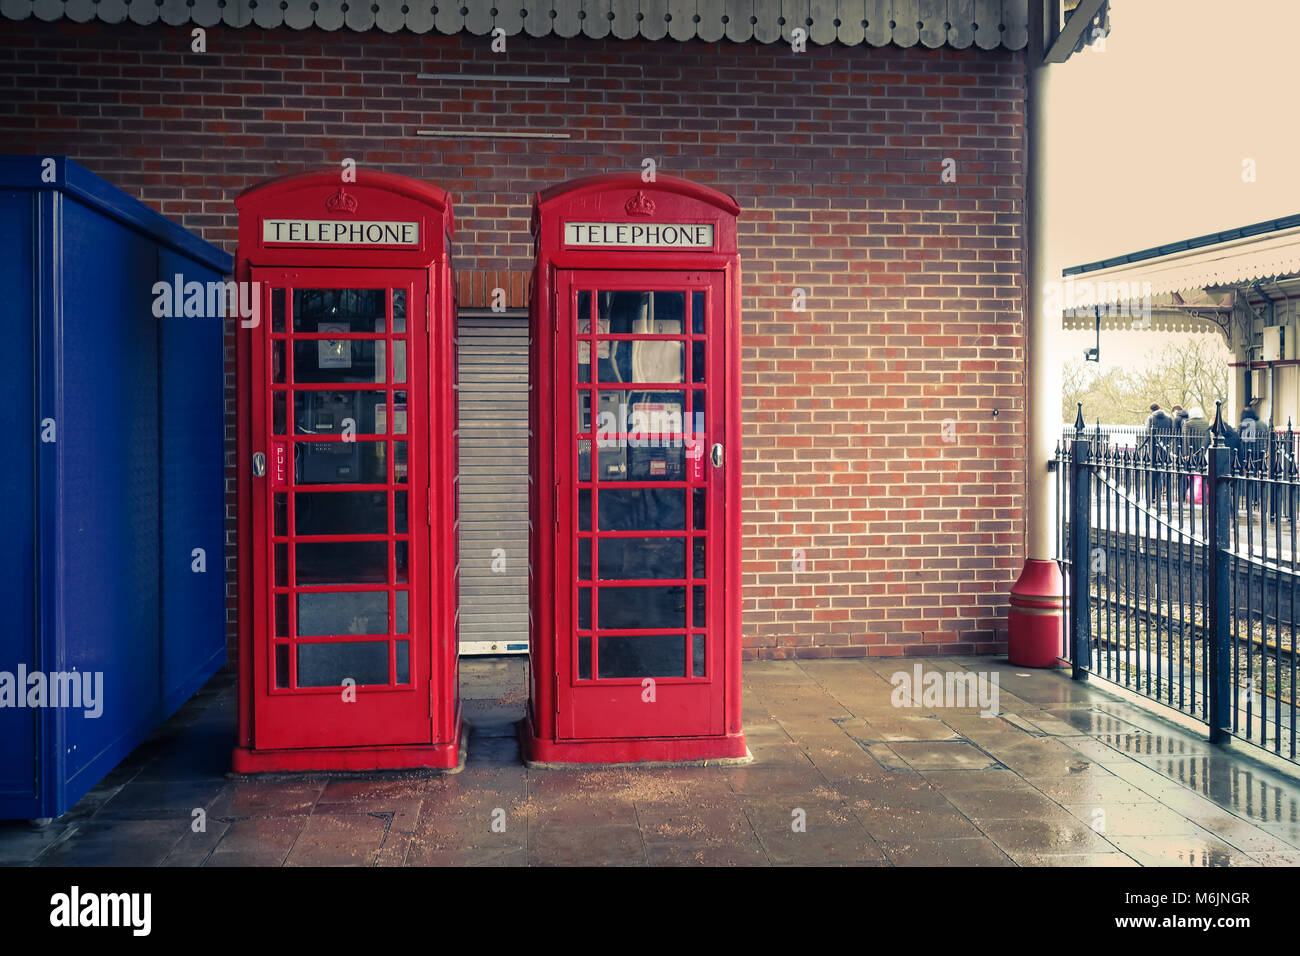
1061,774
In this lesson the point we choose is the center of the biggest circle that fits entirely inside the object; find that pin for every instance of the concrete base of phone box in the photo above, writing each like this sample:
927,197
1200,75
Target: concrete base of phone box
539,754
448,758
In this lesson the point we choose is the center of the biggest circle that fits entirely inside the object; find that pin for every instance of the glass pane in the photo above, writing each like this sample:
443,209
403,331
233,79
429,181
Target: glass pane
700,499
341,462
698,568
399,415
399,360
282,615
330,413
584,559
642,509
700,611
277,416
697,362
281,515
584,510
656,460
697,312
641,313
403,662
341,512
328,665
582,325
399,310
282,665
584,359
277,310
584,658
277,361
610,423
697,655
339,310
641,361
402,608
584,460
343,562
399,512
402,561
642,655
625,559
342,612
636,608
281,565
338,360
399,462
584,411
584,608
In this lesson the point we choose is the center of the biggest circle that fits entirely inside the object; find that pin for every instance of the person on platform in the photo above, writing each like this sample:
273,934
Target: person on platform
1160,434
1251,431
1180,418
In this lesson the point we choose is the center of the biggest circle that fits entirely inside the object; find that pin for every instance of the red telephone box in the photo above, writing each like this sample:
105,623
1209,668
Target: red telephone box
635,454
346,471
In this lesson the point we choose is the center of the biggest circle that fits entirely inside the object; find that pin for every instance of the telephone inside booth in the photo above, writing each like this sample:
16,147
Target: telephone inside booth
641,433
344,413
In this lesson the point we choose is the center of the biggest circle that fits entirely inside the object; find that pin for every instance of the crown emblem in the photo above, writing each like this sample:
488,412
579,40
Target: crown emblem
341,202
639,205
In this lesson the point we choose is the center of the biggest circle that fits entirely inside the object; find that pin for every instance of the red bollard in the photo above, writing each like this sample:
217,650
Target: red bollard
1035,618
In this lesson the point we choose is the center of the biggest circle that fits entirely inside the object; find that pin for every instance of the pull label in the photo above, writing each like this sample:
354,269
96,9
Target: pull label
279,464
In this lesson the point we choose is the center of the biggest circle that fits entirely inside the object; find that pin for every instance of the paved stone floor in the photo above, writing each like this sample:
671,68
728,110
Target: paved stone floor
1066,775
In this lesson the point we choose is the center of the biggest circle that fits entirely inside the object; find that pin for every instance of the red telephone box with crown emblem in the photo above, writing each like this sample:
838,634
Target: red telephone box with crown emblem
635,462
347,462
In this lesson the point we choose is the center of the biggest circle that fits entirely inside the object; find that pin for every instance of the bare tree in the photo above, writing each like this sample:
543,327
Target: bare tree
1189,371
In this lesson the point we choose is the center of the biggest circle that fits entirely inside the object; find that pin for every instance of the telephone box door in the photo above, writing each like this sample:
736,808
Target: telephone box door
340,536
640,624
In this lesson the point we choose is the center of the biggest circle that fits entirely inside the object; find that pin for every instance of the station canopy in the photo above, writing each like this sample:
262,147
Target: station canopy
1180,286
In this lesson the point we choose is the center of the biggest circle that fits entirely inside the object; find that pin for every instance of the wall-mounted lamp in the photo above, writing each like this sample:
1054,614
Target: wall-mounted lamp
1094,354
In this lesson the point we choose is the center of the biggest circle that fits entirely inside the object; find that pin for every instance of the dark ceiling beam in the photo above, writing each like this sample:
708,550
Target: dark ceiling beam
1070,35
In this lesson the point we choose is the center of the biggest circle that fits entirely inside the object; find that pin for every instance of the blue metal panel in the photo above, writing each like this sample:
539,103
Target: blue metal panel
108,516
108,482
193,479
19,425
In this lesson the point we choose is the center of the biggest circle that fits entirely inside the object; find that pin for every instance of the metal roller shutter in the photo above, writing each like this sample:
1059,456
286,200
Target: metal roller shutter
493,349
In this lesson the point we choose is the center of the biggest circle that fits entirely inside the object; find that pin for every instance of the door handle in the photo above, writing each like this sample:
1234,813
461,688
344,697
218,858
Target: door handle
717,455
259,464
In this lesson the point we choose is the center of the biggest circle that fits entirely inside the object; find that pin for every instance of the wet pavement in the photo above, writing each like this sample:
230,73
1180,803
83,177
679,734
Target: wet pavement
1065,774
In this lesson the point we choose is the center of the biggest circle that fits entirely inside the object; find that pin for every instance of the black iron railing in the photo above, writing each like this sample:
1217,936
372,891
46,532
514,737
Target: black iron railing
1180,559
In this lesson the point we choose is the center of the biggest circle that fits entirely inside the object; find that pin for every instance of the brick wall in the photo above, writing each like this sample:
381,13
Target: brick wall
883,424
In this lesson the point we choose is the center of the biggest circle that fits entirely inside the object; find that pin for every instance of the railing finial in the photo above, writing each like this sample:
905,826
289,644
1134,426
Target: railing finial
1079,425
1217,428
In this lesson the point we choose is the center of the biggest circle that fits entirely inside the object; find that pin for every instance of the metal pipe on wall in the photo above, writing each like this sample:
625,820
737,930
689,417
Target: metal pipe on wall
1034,621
